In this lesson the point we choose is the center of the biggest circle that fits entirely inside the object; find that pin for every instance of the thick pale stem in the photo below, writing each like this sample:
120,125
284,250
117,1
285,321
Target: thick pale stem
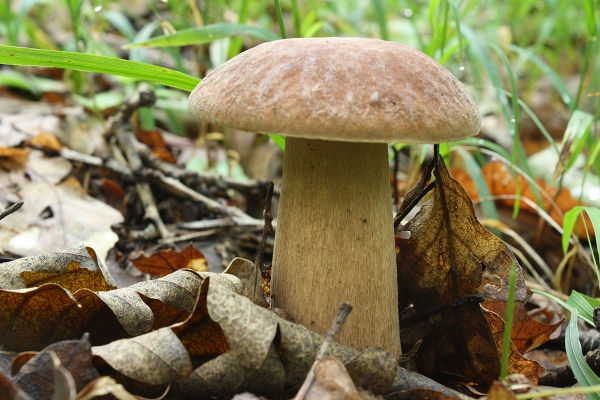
335,241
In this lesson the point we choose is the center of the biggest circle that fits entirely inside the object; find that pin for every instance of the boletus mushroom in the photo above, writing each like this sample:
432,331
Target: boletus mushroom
338,101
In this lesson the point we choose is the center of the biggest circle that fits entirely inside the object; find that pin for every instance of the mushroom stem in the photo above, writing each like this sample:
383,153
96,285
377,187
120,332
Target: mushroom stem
335,241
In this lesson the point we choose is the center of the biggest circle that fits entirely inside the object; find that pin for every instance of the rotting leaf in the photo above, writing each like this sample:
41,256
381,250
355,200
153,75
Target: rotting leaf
167,261
36,377
73,269
517,364
440,271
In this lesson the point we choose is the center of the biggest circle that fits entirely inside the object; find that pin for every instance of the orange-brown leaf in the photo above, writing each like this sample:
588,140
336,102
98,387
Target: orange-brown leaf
517,364
167,261
527,333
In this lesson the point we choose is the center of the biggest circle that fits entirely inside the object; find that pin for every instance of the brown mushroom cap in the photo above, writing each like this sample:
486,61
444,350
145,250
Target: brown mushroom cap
348,89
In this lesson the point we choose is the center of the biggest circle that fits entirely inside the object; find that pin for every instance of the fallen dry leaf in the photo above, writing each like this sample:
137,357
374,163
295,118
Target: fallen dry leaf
517,364
36,377
13,158
331,382
440,271
527,333
46,140
11,391
166,261
155,358
34,318
58,217
75,268
498,391
103,386
64,384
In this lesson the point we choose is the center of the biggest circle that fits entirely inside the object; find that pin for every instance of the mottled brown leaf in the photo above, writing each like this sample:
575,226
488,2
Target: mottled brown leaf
166,261
517,364
440,271
36,377
154,358
10,391
73,269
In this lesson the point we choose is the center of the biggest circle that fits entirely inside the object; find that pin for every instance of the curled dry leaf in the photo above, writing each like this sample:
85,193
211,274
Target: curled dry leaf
154,358
440,270
166,261
267,354
73,359
32,319
73,269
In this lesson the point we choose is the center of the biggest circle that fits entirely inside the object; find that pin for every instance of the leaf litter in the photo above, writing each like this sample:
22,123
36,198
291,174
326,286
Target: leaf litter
193,333
441,266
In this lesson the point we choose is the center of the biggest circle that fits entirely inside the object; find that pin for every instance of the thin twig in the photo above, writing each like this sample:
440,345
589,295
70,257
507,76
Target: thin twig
11,209
267,230
122,128
340,317
200,178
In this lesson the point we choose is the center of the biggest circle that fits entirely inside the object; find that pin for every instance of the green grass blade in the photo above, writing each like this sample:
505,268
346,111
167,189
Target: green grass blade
576,134
570,305
584,305
488,208
456,17
510,307
92,63
553,76
583,373
380,18
280,19
279,141
484,143
571,217
236,43
205,34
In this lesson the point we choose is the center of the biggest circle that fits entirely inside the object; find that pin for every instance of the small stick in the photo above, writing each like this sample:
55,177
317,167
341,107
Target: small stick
267,230
199,177
340,317
11,210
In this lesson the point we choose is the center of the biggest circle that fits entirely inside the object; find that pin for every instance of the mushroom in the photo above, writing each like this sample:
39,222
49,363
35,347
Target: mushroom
338,101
